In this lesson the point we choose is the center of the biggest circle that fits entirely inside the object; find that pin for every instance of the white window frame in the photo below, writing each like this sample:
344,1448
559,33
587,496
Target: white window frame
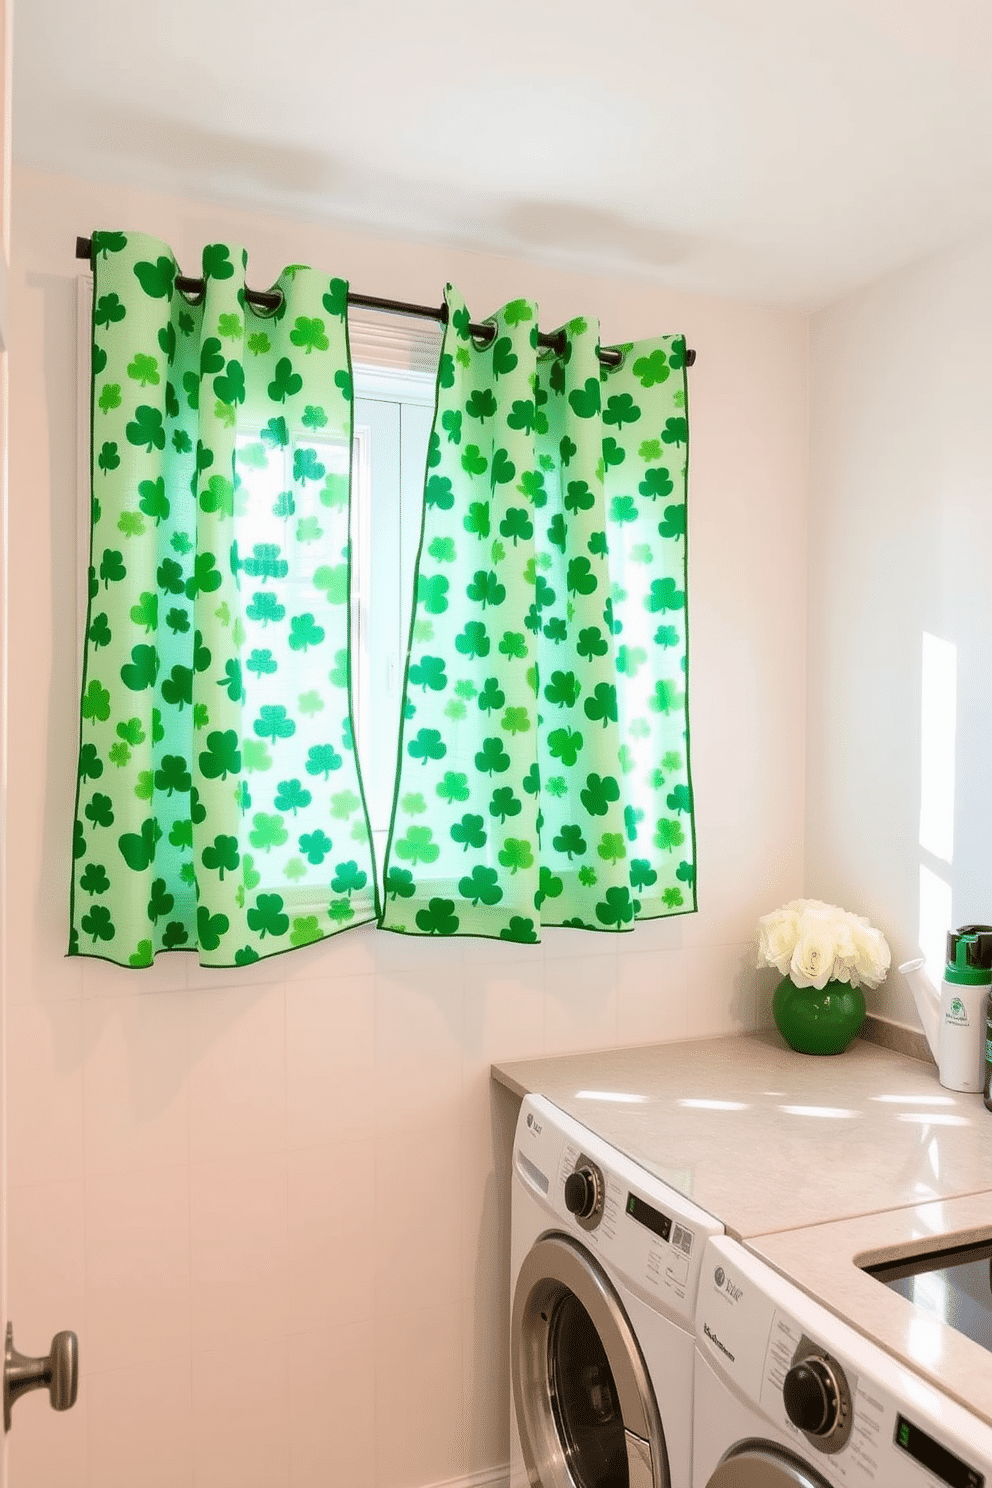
394,367
84,363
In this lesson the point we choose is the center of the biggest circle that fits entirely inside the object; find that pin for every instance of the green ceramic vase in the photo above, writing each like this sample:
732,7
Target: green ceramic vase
816,1021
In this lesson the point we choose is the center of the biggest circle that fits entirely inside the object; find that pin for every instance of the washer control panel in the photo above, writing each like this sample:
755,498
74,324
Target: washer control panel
649,1235
825,1392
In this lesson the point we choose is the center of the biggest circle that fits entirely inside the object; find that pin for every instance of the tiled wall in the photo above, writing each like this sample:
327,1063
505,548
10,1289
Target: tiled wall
265,1198
269,1209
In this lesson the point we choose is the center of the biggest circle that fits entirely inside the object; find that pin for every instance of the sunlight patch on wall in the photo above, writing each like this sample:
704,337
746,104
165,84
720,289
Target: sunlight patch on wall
938,728
937,734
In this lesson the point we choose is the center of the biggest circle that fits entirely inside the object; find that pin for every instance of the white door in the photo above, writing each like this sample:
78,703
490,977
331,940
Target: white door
56,1371
6,34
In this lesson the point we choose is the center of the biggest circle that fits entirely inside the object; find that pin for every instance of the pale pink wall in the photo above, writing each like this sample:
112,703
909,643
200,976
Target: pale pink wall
265,1197
900,544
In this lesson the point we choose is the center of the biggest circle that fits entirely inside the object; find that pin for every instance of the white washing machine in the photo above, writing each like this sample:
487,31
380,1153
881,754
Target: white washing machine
788,1396
605,1264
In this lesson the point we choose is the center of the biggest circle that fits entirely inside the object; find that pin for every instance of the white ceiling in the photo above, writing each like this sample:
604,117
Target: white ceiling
781,151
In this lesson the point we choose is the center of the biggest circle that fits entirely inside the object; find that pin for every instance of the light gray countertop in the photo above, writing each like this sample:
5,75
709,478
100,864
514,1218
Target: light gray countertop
766,1139
824,1262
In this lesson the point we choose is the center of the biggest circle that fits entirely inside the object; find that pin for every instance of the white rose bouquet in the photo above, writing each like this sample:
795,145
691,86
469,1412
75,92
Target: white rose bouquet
814,943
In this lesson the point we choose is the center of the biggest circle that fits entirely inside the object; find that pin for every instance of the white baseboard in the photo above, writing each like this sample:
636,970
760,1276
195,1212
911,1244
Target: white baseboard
489,1477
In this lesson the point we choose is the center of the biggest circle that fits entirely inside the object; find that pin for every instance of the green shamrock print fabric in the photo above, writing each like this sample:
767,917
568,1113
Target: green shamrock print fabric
219,799
544,763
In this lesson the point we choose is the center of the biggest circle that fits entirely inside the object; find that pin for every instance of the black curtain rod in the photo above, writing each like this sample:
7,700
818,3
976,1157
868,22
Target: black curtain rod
268,300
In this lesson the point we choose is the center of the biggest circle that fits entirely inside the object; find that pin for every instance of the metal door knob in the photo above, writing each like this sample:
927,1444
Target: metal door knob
58,1371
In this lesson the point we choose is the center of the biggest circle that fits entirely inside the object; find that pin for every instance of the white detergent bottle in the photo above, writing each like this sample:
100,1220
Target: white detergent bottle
954,1021
964,995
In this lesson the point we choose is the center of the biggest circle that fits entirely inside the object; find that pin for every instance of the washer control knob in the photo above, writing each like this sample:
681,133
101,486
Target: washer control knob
583,1193
811,1397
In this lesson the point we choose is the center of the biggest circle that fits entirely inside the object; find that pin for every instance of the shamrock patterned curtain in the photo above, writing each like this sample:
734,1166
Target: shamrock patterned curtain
543,767
219,799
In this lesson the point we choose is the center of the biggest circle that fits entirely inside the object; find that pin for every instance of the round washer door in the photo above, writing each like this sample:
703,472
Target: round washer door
761,1465
585,1406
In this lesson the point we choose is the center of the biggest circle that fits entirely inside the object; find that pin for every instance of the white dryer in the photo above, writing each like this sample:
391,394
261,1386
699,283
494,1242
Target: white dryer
605,1264
789,1396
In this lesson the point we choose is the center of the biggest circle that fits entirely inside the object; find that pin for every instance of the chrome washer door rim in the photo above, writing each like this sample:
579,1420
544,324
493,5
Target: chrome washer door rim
554,1267
757,1464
